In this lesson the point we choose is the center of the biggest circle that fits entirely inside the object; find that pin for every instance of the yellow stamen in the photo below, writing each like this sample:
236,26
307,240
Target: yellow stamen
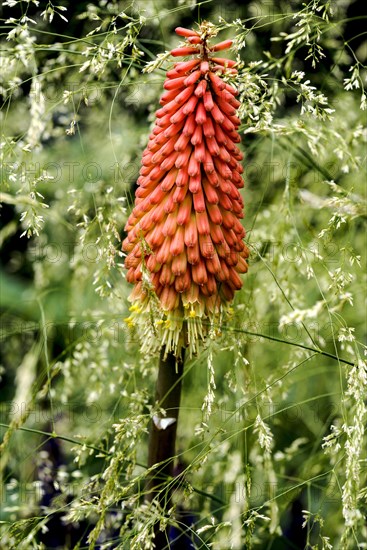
129,321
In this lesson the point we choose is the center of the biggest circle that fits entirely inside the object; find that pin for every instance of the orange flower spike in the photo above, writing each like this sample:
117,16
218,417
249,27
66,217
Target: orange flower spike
225,62
190,126
184,245
216,234
214,214
197,136
181,143
194,166
192,79
182,178
199,273
204,67
183,96
191,232
174,84
181,31
183,282
185,66
199,201
201,88
200,116
184,211
179,264
207,249
208,128
178,245
208,101
195,184
200,151
222,46
212,145
183,157
173,129
193,254
169,180
169,298
166,275
181,52
194,40
163,252
179,194
202,223
170,225
190,105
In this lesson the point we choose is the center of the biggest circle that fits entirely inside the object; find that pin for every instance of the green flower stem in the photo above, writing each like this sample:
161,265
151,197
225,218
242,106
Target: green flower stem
162,439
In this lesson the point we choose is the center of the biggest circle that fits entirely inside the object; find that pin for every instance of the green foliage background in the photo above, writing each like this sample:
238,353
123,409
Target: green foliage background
276,438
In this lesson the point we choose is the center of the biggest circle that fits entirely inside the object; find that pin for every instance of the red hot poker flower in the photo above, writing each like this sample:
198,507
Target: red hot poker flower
185,246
